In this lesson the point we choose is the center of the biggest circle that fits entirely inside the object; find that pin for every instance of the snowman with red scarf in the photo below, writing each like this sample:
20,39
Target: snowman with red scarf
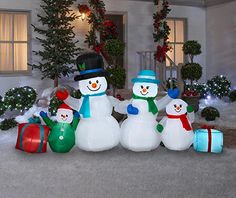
97,130
176,130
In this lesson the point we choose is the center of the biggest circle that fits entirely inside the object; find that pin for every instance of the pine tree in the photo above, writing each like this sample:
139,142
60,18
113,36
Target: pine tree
57,39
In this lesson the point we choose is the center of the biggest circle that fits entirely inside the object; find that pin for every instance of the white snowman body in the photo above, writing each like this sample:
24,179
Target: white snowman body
175,136
100,131
138,131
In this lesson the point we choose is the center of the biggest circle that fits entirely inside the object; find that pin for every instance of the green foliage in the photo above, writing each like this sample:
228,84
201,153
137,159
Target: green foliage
202,89
210,113
171,83
117,77
2,106
8,124
191,71
114,47
55,103
232,96
21,98
57,39
192,48
219,86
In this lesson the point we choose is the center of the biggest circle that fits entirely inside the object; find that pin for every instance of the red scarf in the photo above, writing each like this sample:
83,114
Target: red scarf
183,119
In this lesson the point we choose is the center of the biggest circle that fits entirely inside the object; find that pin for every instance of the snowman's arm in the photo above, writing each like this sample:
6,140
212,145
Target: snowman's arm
191,117
75,122
161,125
121,106
162,103
74,103
163,121
48,122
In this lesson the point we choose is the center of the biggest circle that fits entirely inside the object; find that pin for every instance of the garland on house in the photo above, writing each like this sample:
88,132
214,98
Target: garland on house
96,20
161,29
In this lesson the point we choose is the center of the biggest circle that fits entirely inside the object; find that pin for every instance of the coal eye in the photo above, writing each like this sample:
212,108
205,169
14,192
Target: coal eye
147,87
97,81
90,82
141,86
175,106
66,115
180,106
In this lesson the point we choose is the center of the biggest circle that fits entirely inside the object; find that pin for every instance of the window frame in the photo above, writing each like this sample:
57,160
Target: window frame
28,72
185,37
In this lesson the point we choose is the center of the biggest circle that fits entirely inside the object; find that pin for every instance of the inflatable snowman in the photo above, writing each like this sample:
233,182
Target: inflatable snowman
175,129
138,131
97,130
62,134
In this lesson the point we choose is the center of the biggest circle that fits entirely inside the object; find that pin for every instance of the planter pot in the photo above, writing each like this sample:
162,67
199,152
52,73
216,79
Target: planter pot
192,101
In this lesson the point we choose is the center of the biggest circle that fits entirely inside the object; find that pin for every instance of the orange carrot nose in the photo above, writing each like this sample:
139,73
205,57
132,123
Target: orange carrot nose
94,85
178,108
144,90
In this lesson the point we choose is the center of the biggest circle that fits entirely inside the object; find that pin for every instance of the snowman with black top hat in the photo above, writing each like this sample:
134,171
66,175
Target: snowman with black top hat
97,130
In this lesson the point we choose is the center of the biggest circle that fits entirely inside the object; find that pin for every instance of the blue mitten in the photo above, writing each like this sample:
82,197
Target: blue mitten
76,114
43,114
173,93
132,110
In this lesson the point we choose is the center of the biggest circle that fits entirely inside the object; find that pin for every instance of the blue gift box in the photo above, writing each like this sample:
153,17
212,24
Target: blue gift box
208,140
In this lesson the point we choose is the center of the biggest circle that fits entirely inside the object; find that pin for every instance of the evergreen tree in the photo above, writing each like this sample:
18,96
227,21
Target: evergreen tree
57,38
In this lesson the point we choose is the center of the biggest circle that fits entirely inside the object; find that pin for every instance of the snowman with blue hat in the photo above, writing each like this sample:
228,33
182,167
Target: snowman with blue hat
138,131
97,130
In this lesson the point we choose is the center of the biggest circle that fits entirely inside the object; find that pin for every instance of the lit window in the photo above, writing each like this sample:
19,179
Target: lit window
176,40
13,41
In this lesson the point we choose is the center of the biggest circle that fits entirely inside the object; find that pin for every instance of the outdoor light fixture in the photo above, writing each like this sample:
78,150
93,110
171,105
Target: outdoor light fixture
84,11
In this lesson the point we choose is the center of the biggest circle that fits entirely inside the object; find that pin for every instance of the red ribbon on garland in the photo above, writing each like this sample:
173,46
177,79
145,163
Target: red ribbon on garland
161,53
98,49
209,135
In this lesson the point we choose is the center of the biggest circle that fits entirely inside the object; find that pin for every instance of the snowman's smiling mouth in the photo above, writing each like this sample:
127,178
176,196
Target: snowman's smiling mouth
178,110
94,89
144,94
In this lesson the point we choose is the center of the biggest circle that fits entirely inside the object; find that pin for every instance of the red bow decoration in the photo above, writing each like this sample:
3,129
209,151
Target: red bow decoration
161,53
98,49
184,120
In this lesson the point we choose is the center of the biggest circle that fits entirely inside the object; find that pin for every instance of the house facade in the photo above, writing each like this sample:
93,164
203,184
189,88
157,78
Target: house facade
213,26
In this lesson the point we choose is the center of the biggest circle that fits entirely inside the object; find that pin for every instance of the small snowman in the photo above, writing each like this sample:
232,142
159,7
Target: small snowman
176,130
98,130
138,130
62,135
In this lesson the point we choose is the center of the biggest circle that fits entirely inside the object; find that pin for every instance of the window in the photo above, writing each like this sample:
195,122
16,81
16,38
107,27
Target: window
176,40
13,41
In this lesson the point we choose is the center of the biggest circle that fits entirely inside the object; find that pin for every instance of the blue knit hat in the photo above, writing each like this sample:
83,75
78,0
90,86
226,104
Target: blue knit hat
147,76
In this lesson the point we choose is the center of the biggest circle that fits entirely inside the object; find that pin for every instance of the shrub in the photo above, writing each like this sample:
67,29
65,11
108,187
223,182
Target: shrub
210,113
219,86
2,107
117,76
232,96
21,98
8,124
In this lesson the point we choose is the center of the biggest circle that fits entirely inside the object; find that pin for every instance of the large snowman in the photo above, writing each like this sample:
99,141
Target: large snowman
138,130
176,130
97,130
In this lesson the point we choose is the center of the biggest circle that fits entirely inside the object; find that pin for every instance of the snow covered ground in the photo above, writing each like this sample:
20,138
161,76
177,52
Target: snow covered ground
227,113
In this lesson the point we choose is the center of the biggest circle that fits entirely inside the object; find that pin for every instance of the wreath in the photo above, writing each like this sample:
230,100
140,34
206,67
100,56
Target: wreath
161,29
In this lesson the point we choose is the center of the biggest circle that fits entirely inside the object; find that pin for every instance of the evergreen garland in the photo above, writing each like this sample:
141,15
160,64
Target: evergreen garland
59,48
161,29
21,98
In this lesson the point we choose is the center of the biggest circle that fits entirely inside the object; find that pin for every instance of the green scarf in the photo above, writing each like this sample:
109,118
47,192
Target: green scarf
151,104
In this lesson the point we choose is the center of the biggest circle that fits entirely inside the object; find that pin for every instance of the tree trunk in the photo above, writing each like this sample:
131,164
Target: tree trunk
56,82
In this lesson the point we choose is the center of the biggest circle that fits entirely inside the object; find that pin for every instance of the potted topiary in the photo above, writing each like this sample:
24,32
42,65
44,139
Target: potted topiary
114,48
191,71
210,113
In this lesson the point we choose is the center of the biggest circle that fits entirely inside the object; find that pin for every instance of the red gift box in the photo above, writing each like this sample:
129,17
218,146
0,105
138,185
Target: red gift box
32,138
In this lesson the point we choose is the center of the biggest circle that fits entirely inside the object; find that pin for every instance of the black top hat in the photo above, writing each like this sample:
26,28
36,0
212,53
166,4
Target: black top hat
90,65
